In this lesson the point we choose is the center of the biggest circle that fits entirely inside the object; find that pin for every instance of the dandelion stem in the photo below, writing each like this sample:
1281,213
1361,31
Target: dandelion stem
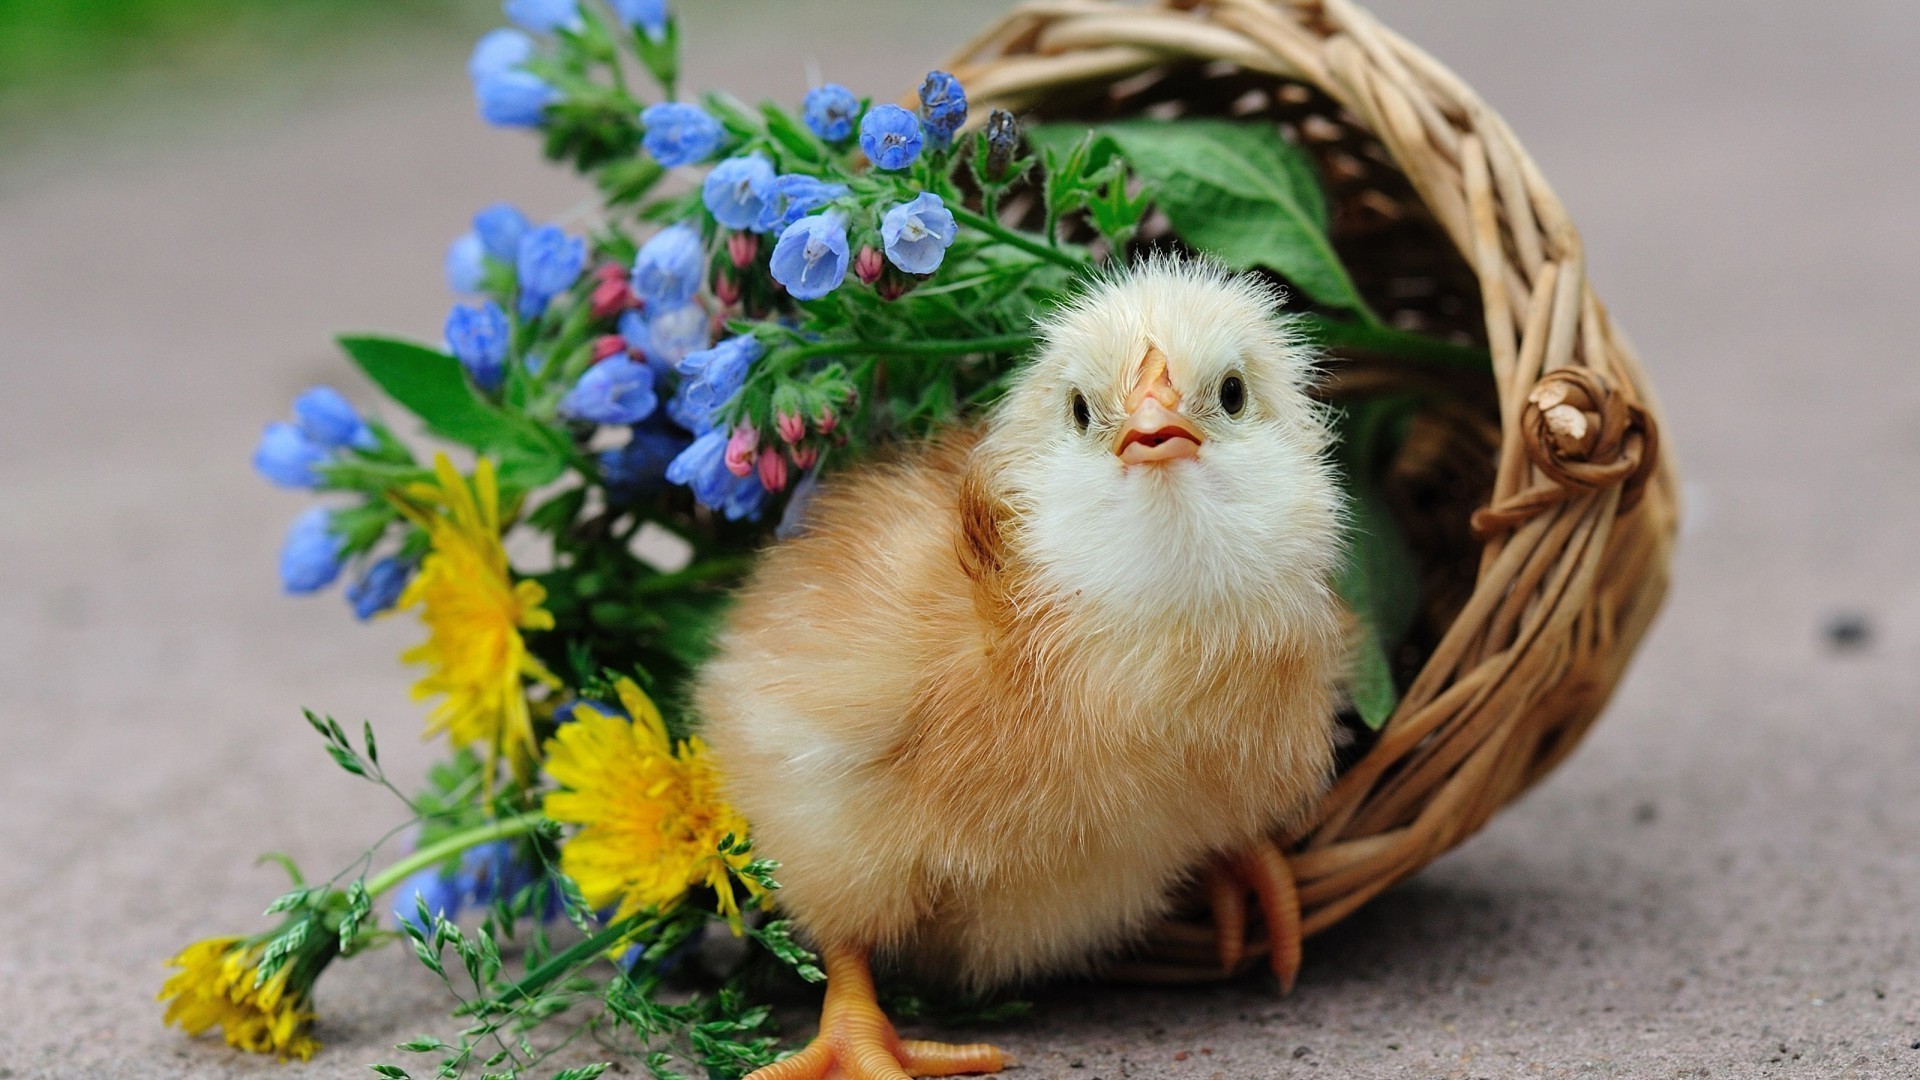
500,829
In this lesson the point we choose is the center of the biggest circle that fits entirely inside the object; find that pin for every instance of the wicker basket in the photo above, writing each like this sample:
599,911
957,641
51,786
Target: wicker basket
1540,508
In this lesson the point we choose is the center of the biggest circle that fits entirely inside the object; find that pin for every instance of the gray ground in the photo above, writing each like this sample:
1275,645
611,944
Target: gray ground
1724,882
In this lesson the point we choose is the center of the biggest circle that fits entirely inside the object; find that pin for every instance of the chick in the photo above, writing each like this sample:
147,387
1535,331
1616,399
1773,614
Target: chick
1009,692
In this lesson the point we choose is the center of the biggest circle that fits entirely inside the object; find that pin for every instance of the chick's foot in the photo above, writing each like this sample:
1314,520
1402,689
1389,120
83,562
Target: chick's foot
1261,869
857,1041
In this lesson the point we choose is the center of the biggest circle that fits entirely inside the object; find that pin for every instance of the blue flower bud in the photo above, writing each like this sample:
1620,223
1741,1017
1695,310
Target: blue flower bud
669,268
917,233
443,895
890,136
943,107
310,557
479,338
743,497
811,257
513,98
829,111
637,468
500,228
617,390
380,587
466,265
499,50
287,457
327,418
544,16
795,195
549,263
647,16
711,377
680,134
738,190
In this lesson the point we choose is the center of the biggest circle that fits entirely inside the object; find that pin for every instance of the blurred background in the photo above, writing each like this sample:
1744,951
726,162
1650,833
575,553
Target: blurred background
195,195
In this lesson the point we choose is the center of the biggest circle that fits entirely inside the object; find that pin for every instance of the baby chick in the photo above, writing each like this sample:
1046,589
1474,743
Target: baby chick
1006,694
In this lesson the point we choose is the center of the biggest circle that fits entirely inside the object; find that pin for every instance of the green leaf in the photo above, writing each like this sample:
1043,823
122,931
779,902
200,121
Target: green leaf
1380,582
391,1072
434,387
1238,191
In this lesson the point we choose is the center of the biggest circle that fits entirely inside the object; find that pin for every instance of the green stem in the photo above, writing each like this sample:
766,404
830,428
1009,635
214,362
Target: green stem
560,963
1402,344
499,829
1017,239
955,347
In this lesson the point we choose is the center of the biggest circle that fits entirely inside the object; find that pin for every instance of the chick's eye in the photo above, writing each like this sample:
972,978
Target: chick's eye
1081,417
1233,395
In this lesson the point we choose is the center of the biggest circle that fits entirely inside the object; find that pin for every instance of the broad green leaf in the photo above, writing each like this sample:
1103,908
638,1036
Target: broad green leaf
1237,191
1380,582
434,387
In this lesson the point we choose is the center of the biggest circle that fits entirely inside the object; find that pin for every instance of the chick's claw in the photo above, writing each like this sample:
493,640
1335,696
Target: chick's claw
1260,868
857,1041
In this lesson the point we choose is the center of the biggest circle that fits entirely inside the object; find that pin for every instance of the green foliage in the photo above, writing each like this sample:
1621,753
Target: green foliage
1380,580
1236,191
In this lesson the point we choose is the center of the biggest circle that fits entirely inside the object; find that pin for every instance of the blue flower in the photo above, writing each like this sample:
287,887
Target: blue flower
795,195
669,337
743,497
499,871
442,893
310,557
702,466
890,136
698,419
478,337
499,50
513,98
380,587
712,376
500,228
669,268
287,457
811,257
617,390
917,233
680,134
829,111
636,468
564,714
738,191
326,417
943,107
466,265
544,16
549,263
649,16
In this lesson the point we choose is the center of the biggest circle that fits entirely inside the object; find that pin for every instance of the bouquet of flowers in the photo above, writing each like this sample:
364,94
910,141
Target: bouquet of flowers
764,295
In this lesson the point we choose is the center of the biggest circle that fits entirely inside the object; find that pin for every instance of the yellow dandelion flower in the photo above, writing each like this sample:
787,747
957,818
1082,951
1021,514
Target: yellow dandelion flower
215,988
651,813
474,612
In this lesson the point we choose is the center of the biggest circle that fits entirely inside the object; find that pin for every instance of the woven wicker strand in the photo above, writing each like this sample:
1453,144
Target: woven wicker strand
1576,524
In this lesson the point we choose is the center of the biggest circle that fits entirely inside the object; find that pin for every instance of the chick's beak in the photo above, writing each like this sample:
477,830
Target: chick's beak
1155,431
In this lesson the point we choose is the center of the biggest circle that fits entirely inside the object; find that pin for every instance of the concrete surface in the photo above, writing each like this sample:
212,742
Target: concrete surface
1724,882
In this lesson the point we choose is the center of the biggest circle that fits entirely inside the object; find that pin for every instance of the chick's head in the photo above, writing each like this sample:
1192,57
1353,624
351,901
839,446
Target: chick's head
1161,457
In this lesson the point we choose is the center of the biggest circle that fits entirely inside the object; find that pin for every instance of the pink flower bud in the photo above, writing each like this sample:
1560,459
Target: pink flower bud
608,345
869,265
740,450
773,470
742,247
792,429
805,456
893,286
612,294
726,290
828,421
